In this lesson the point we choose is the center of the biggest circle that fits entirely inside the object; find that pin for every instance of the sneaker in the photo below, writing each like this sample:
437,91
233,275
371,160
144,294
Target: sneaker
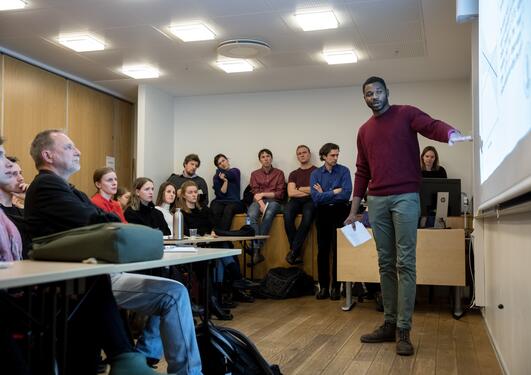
385,333
404,345
130,364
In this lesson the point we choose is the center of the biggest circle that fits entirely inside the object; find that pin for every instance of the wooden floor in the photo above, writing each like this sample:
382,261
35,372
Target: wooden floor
306,336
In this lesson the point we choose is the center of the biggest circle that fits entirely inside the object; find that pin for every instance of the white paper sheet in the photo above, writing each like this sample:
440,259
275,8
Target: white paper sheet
179,249
358,236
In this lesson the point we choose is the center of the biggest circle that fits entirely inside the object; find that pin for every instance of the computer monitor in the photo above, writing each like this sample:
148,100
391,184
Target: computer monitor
428,196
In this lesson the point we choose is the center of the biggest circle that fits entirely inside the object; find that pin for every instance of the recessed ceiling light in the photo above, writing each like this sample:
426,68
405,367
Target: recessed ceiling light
235,66
319,20
192,32
81,42
340,57
12,4
141,71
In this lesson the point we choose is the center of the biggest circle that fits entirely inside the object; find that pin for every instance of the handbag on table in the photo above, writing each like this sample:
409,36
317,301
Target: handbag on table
110,242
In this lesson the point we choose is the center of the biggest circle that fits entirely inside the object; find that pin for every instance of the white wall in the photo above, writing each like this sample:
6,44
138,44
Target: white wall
507,248
155,133
239,125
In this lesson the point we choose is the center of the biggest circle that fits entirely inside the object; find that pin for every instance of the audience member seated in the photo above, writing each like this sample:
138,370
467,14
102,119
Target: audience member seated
141,209
174,322
19,193
429,163
52,205
14,186
106,184
268,186
191,164
122,196
227,203
300,202
166,199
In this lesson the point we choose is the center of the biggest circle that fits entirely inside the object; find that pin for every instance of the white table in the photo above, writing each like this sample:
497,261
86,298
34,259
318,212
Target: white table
32,272
243,240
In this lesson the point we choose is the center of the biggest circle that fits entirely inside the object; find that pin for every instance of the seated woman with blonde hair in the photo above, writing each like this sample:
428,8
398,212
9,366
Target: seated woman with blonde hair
197,217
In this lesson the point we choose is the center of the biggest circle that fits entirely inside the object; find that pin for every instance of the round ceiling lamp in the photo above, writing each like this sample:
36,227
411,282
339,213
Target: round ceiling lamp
243,48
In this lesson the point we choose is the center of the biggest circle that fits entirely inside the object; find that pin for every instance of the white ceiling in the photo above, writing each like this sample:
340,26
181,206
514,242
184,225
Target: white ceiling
400,40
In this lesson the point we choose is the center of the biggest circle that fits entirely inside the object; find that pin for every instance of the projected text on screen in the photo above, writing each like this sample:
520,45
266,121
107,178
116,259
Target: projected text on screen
504,79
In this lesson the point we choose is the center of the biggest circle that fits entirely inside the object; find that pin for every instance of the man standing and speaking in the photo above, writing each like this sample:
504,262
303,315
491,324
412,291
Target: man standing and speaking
388,164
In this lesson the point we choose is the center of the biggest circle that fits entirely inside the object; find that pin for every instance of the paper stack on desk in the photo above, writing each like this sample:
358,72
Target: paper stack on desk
358,236
179,249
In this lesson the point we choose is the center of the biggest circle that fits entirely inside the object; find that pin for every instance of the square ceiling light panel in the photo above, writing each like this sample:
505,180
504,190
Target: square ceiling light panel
141,71
12,4
192,32
317,20
340,57
235,66
81,42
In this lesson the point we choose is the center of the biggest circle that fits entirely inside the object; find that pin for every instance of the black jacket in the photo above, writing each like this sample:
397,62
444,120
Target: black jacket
53,205
149,216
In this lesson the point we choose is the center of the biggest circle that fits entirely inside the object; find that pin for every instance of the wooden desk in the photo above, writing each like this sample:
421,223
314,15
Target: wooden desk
440,258
440,261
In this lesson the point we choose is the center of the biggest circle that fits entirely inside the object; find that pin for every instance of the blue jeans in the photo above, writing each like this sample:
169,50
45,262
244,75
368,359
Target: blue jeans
297,236
262,227
394,221
168,304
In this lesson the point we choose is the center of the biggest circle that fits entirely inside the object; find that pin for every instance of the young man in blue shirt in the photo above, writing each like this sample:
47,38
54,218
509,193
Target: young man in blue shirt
331,188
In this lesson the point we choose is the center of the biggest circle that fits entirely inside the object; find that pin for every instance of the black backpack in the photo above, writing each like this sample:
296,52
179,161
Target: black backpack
281,283
225,350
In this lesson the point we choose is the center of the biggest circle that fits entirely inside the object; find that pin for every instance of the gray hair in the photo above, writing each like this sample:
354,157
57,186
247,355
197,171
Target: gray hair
42,141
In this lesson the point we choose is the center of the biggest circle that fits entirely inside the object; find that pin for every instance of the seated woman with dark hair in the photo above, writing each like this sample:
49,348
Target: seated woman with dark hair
429,163
227,189
166,202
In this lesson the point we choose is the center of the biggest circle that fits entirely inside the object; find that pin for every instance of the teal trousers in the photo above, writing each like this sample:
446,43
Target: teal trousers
394,220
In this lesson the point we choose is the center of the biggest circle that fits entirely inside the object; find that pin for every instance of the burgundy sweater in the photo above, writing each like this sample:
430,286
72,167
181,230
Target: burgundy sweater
388,150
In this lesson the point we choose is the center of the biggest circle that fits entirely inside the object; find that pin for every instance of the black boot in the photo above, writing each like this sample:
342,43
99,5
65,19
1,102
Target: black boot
257,258
385,333
404,345
217,311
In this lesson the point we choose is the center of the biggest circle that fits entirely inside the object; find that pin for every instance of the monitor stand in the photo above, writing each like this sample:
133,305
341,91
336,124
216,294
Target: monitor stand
441,214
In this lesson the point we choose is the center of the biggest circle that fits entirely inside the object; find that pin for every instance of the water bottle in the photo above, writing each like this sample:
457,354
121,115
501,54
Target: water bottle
247,220
178,225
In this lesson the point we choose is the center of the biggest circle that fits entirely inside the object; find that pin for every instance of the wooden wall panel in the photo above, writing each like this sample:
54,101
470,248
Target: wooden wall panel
34,100
90,125
123,142
99,124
